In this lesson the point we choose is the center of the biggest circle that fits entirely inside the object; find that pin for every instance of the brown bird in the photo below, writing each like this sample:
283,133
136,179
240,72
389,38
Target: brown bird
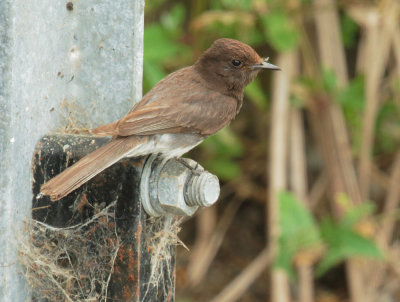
177,114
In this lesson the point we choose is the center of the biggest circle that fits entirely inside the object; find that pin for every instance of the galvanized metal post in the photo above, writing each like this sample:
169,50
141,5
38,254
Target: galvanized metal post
86,53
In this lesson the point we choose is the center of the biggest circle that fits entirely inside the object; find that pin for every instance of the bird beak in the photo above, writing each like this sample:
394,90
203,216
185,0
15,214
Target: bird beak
266,65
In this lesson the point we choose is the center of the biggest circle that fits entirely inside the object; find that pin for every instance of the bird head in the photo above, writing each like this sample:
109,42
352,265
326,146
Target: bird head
232,63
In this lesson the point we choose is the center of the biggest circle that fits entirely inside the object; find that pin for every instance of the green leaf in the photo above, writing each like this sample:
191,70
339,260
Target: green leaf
223,148
174,19
257,95
243,5
294,217
344,243
233,24
357,213
160,44
224,168
329,80
298,230
349,30
159,47
152,74
352,100
388,128
308,82
279,31
224,144
297,102
153,5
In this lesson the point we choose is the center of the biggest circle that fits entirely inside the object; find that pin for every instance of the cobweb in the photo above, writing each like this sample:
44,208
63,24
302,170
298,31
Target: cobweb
163,236
76,263
73,263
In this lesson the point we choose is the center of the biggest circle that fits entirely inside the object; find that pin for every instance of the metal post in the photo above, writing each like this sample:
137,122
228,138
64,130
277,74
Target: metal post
85,53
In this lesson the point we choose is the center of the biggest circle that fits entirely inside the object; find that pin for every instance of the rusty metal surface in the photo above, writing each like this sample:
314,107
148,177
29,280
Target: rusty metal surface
120,183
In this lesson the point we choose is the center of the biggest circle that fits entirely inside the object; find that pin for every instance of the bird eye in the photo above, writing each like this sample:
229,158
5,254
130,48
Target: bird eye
236,63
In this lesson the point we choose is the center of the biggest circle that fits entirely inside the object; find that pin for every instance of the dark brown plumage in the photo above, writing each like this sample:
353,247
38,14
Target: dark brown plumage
175,115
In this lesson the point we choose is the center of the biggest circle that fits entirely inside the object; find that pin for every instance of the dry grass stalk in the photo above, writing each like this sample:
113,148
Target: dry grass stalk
380,178
277,167
365,16
332,152
208,251
318,189
380,26
206,224
329,41
298,169
332,56
234,290
378,271
333,135
306,282
391,204
298,181
396,49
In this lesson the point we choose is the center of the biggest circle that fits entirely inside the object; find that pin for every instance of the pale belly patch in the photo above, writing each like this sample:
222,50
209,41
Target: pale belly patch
171,145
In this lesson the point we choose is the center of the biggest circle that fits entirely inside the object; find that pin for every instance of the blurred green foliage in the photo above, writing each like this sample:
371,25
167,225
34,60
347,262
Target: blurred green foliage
223,149
298,231
388,128
329,81
344,243
352,100
256,93
161,47
301,233
279,31
349,30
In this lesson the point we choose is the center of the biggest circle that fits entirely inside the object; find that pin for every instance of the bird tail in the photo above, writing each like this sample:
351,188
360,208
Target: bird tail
89,166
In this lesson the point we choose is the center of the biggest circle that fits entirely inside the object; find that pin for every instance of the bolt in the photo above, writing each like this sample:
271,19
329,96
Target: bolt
202,190
177,186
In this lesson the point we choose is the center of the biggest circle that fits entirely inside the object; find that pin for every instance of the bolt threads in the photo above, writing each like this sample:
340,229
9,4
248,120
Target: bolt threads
202,190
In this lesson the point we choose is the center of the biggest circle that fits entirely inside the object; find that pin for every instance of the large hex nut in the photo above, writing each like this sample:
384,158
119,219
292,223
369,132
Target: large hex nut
171,187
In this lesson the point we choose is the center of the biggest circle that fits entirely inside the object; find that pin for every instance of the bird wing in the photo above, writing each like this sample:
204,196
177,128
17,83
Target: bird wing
200,113
152,119
179,103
